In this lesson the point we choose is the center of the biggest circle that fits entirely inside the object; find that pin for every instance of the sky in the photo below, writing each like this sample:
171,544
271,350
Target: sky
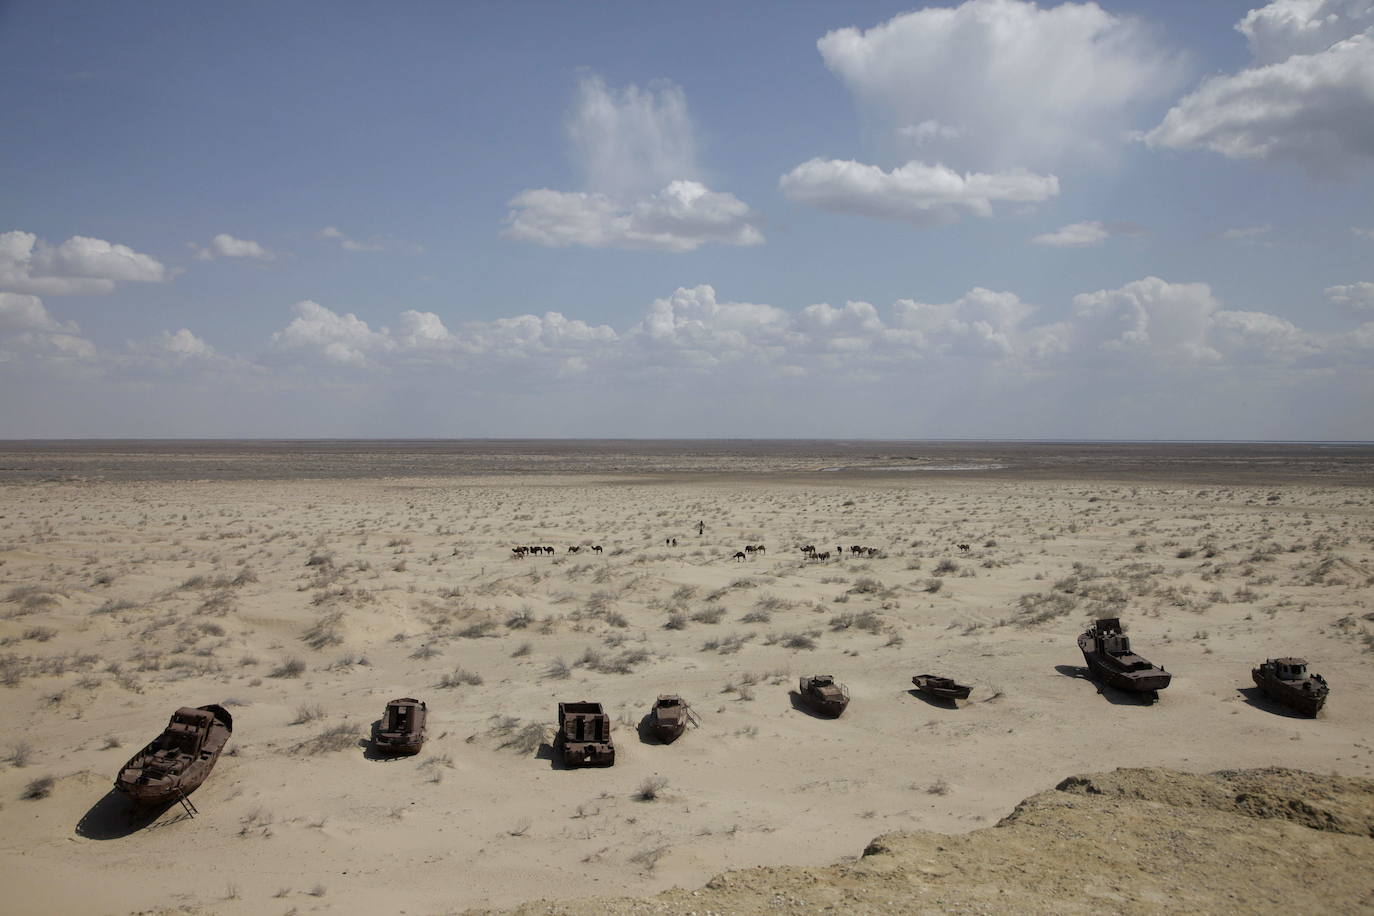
988,219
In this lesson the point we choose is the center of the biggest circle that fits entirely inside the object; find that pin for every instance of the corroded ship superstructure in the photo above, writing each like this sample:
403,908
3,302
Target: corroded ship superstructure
584,735
670,717
1107,650
175,763
1288,681
402,729
824,694
944,688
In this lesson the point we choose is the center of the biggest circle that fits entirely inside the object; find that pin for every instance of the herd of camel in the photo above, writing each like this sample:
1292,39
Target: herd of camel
520,553
749,552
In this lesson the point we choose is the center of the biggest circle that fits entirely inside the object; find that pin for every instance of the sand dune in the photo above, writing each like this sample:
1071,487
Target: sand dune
304,605
1253,841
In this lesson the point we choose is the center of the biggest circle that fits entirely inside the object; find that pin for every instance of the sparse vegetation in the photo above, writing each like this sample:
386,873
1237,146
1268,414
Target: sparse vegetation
292,667
651,788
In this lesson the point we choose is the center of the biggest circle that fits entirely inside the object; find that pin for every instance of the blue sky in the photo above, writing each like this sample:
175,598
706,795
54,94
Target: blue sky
995,218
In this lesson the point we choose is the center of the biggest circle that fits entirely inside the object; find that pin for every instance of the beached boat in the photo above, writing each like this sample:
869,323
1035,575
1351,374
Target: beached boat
943,687
402,729
1107,650
1287,681
670,718
179,759
824,694
584,733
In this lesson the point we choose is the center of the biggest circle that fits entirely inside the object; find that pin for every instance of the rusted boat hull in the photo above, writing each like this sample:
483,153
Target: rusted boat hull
398,744
587,754
667,732
146,786
941,691
1307,702
1152,680
584,735
831,709
826,697
403,727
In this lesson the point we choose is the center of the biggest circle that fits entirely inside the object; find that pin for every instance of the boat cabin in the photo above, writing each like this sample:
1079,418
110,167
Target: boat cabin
1290,669
400,716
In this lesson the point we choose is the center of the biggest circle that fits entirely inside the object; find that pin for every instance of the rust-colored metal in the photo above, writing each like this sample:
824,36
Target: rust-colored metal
402,729
584,735
1288,681
670,717
944,688
824,694
1107,650
177,761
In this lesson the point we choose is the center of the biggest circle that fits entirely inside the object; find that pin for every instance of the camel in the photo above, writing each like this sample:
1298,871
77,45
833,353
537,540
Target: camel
739,554
596,549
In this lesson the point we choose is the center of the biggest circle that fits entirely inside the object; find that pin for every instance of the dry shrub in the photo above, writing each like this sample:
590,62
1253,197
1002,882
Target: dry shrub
335,738
327,631
460,677
292,667
651,788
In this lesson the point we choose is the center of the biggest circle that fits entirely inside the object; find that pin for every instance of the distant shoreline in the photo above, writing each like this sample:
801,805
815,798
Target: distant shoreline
829,460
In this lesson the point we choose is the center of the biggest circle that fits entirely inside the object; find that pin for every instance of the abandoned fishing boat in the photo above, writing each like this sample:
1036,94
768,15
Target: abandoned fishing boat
670,717
824,694
1107,650
584,735
1287,681
179,759
402,729
942,687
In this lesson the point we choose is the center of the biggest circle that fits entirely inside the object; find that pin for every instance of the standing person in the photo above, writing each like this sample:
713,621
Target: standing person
701,529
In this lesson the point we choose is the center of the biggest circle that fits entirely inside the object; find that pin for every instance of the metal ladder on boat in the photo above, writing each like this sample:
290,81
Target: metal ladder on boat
186,804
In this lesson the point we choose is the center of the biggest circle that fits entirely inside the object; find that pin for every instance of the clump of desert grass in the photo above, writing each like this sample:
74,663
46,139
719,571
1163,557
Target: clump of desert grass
335,738
460,677
650,789
291,668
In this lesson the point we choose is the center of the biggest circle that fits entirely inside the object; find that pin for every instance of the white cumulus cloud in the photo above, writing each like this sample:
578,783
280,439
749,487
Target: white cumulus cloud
1004,82
321,332
1149,317
78,266
351,244
681,217
1075,235
28,330
915,192
636,151
225,245
1286,27
1355,295
1309,98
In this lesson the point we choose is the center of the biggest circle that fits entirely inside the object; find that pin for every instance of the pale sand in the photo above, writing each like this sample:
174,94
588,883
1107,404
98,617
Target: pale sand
118,603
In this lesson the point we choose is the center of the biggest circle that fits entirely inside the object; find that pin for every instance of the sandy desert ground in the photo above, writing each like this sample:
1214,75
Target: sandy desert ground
303,605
